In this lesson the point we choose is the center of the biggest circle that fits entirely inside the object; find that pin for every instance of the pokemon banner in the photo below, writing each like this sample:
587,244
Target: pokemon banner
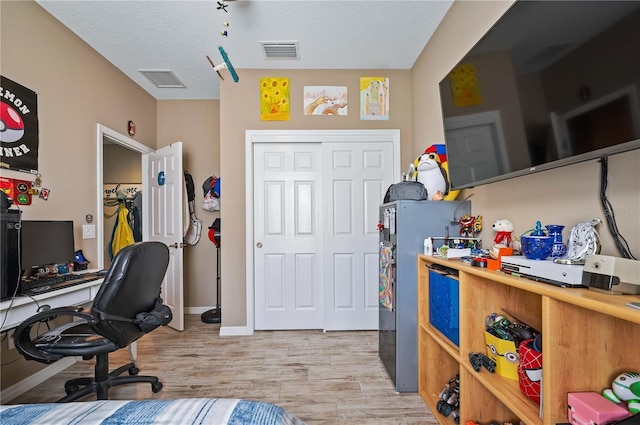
18,127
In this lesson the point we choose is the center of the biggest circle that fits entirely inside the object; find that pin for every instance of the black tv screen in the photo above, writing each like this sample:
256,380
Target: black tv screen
550,84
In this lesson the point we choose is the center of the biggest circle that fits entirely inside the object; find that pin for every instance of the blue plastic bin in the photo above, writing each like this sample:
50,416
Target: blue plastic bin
444,305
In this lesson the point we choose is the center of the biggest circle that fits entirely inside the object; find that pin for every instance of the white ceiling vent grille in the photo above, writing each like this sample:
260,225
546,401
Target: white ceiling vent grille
280,49
163,78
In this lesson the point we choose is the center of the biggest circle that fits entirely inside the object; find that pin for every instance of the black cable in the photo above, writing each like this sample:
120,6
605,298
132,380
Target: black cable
620,241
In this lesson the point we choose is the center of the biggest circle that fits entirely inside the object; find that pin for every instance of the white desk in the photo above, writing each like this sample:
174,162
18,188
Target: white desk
13,312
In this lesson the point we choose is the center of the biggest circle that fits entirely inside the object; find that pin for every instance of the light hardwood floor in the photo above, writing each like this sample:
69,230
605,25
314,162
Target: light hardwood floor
323,378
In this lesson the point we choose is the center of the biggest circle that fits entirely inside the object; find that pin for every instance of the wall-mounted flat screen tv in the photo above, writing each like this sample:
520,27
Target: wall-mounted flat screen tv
552,83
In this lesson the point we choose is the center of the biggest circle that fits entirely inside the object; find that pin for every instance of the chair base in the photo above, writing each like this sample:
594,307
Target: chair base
80,387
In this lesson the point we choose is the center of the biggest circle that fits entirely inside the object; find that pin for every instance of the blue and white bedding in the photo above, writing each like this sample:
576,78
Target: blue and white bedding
204,411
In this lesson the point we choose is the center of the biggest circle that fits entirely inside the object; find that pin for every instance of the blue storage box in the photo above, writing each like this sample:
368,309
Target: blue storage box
444,305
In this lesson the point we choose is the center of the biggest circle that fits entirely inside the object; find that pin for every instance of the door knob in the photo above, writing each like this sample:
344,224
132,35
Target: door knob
176,245
259,245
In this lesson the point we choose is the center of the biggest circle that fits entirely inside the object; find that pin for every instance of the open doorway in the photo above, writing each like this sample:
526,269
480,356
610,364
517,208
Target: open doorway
118,162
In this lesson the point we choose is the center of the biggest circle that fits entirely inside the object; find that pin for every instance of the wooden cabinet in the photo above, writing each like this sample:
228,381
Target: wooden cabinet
588,338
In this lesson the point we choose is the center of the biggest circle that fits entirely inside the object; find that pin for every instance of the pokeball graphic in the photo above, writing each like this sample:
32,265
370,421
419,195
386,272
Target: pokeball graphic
11,124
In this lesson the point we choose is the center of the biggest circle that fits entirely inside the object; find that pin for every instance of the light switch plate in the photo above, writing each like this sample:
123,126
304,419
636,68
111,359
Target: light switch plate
88,231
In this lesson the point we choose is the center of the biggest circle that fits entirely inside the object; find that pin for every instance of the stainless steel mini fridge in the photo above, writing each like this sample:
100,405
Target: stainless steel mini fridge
404,226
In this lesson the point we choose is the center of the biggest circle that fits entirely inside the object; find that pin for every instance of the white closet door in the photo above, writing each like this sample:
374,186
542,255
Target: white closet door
288,241
355,178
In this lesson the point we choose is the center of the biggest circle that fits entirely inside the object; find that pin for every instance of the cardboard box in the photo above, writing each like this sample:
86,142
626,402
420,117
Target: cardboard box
504,353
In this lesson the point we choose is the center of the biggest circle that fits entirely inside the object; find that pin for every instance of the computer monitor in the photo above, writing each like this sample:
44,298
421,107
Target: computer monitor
45,242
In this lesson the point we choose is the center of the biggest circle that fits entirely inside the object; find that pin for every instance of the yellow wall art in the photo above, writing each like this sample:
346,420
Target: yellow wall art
464,85
274,99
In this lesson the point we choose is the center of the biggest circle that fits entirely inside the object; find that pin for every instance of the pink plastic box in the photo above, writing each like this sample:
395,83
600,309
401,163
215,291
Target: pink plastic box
590,408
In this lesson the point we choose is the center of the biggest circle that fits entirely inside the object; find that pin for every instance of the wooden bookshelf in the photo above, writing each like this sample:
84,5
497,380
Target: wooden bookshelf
588,339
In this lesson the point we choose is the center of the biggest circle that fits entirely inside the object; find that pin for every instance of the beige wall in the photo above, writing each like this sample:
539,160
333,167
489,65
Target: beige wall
565,195
77,89
196,124
241,112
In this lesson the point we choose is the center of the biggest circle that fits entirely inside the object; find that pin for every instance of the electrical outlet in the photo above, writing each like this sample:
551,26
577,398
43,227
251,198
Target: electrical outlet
10,342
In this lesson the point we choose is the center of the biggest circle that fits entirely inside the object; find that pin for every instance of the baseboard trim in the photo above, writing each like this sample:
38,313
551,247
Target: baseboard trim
196,310
235,331
37,379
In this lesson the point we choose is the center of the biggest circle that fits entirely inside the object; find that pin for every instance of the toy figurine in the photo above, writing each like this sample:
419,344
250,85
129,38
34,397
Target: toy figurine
470,225
626,387
538,230
504,228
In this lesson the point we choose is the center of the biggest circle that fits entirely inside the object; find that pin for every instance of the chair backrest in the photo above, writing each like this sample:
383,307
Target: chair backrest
131,286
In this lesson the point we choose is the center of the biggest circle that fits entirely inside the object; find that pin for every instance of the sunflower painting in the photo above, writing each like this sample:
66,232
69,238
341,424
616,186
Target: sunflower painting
464,85
274,99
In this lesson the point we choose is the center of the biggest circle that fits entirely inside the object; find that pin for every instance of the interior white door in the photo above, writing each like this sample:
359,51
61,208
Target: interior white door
288,242
477,144
162,175
355,179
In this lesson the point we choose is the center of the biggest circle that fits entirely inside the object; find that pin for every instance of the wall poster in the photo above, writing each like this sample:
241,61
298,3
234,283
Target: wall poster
325,100
274,99
374,98
18,127
464,85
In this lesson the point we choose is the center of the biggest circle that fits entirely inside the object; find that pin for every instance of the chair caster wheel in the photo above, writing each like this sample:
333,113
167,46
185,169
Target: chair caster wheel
156,387
71,389
134,371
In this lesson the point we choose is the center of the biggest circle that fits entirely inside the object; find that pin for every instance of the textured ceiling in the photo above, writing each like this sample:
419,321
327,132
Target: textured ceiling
177,35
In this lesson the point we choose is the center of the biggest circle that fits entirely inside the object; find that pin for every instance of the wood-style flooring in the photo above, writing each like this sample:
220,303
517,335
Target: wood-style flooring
323,378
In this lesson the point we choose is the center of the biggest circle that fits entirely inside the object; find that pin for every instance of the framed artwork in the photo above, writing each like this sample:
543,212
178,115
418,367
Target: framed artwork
374,98
274,99
325,100
464,85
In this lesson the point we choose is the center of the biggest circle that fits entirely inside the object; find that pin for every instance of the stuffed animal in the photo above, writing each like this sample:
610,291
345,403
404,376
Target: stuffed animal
431,174
504,228
626,387
441,150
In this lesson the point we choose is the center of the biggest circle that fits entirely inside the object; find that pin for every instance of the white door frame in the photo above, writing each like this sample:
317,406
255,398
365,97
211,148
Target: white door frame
296,136
128,143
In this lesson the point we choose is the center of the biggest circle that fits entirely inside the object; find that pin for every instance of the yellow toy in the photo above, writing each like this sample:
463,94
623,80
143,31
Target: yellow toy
436,177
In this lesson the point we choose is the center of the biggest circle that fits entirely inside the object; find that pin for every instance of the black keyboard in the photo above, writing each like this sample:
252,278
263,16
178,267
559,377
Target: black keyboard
53,282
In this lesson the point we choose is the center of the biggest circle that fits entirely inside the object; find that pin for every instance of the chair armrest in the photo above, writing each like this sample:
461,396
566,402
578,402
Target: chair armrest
22,337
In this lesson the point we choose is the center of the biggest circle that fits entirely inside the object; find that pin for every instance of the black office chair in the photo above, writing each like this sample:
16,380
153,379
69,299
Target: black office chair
127,306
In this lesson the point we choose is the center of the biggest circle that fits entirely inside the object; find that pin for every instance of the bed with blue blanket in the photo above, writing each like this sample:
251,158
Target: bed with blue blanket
204,411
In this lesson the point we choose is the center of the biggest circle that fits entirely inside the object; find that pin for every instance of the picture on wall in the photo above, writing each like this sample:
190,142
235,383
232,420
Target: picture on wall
274,99
325,100
18,127
374,98
464,85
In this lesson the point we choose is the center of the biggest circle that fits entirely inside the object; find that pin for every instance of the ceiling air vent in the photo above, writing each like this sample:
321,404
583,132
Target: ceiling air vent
280,49
163,78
